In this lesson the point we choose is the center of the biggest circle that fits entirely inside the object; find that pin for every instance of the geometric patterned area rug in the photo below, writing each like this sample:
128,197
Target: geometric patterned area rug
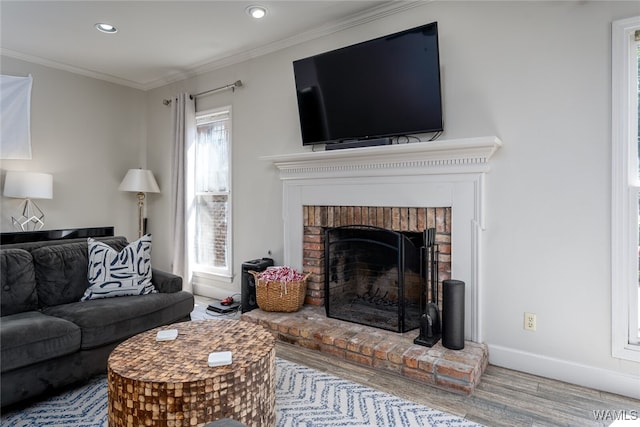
309,398
304,398
83,406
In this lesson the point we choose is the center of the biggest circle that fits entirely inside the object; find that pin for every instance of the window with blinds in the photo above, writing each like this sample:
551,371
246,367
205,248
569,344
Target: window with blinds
625,241
211,229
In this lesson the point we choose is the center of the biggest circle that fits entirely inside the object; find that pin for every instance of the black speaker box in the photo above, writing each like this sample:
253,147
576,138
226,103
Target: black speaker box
248,292
453,314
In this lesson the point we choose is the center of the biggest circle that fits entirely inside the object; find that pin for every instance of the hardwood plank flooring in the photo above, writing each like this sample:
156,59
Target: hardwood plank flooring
503,398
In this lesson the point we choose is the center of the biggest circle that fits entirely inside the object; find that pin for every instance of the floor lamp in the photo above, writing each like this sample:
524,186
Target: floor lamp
139,181
27,186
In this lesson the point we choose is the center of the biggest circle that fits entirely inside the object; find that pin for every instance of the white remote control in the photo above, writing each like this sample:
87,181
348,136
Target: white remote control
167,335
220,358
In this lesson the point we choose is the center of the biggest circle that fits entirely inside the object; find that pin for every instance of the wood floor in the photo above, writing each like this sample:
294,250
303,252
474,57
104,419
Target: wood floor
503,398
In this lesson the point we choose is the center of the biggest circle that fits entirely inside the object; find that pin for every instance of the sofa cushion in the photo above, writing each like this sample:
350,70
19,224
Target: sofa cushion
61,271
108,320
31,337
119,273
17,281
166,282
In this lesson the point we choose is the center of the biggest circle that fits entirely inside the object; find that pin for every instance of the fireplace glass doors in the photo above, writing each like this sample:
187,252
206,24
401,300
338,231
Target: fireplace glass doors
373,276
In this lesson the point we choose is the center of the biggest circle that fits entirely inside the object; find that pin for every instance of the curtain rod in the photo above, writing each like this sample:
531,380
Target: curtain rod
232,86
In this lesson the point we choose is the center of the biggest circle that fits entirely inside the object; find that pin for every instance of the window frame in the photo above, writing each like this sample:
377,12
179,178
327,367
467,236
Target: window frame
625,192
203,273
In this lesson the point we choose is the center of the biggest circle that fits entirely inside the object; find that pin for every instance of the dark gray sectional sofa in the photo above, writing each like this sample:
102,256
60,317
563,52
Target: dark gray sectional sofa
48,337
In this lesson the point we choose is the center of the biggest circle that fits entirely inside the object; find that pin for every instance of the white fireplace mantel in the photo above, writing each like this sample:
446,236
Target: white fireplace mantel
448,156
425,174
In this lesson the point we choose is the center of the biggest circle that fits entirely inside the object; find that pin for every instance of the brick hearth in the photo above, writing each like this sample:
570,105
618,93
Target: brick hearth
455,370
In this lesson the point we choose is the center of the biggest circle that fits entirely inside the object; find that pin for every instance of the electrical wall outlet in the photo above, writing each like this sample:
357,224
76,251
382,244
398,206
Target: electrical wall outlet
529,321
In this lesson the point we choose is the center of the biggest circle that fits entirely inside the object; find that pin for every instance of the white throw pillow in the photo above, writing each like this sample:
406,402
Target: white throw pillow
113,274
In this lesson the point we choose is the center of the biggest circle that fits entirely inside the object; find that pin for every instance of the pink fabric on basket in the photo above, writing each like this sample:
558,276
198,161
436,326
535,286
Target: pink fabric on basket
281,274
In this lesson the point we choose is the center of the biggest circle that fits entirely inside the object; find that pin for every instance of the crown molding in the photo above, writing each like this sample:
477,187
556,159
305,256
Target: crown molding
387,9
70,68
215,63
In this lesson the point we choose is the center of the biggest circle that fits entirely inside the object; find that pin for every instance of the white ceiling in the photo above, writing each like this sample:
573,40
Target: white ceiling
163,41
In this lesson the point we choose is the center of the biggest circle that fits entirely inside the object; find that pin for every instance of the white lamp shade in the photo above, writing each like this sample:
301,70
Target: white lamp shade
28,185
139,181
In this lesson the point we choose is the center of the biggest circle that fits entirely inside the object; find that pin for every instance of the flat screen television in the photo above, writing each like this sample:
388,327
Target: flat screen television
385,87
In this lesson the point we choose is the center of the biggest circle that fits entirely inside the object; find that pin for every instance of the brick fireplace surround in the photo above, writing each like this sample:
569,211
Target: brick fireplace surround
317,218
408,182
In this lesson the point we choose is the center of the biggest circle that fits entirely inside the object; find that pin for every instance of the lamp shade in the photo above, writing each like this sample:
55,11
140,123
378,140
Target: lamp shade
28,185
139,181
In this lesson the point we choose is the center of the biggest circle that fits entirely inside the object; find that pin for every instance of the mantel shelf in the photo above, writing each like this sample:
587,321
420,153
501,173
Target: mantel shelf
468,155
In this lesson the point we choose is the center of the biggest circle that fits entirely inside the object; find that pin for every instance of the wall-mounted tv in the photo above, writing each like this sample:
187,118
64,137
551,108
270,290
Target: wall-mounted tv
385,87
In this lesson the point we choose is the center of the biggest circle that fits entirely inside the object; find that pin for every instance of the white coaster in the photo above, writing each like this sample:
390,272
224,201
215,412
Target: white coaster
220,358
167,335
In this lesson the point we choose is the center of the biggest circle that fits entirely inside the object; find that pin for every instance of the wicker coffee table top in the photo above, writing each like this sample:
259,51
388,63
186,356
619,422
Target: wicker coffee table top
142,358
170,383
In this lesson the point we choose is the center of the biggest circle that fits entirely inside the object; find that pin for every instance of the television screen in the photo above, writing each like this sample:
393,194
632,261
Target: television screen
389,86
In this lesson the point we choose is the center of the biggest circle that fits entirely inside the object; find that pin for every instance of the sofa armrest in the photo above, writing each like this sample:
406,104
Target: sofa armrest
164,282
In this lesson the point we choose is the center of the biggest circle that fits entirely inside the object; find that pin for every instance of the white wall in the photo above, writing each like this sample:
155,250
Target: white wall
537,75
87,133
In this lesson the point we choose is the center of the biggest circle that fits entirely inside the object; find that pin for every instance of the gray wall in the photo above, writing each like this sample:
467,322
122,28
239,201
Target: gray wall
87,133
536,74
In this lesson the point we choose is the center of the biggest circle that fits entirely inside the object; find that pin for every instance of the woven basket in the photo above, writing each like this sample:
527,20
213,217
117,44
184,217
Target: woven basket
280,296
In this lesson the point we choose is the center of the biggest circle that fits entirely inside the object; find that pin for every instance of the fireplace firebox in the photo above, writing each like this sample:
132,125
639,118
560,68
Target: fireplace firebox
374,276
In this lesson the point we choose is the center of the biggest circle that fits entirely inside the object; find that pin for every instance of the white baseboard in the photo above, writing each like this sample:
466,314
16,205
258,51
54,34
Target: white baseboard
562,370
215,291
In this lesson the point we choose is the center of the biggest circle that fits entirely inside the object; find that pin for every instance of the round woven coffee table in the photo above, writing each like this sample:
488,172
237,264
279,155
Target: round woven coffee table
169,383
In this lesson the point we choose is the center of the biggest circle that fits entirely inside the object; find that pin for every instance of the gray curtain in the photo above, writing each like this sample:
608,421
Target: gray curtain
184,126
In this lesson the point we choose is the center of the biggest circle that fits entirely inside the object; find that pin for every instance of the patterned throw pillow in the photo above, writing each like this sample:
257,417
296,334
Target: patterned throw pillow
113,274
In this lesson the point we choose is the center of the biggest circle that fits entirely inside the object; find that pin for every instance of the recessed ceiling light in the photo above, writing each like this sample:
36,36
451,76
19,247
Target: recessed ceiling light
106,28
257,12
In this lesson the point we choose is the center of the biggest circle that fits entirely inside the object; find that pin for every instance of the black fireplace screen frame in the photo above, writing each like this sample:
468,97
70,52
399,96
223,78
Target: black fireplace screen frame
375,276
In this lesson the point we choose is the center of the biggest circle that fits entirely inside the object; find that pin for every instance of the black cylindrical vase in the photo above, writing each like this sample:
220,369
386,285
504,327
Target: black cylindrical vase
453,314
